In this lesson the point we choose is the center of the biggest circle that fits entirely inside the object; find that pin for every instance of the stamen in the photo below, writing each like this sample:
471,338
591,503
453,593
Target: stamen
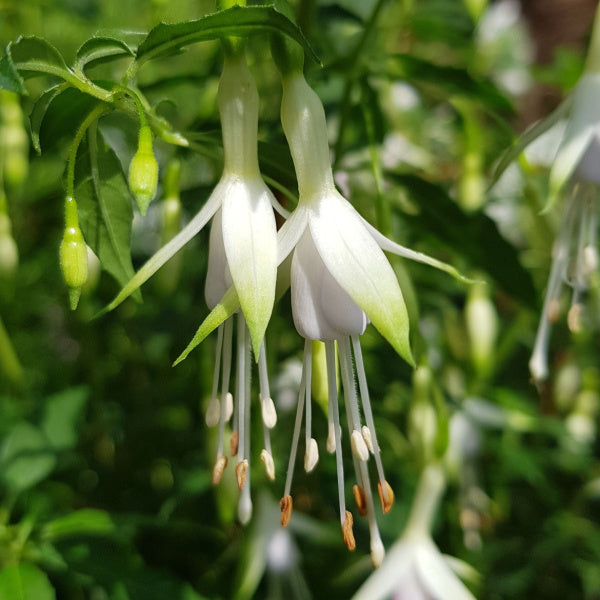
386,495
241,385
574,317
285,505
360,499
213,410
218,469
267,459
228,406
330,432
234,443
359,448
366,433
347,530
311,454
366,402
240,473
332,399
226,374
377,550
296,436
269,414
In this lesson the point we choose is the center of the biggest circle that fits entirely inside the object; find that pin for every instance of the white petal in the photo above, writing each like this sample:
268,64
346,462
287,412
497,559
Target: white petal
358,264
390,575
250,239
290,233
218,277
322,310
437,576
588,168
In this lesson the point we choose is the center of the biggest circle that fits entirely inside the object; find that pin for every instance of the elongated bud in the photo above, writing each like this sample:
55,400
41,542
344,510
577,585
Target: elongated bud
143,171
482,326
73,254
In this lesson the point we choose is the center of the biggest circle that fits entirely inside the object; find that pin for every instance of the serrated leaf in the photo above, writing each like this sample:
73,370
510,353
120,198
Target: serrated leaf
39,111
475,237
62,413
10,79
32,55
98,50
87,521
25,457
25,582
166,39
533,132
219,314
105,210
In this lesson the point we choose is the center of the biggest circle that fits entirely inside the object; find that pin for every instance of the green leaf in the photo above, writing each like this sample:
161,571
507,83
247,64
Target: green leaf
219,314
105,210
99,50
165,39
87,521
32,56
475,237
25,457
533,132
62,414
40,108
25,582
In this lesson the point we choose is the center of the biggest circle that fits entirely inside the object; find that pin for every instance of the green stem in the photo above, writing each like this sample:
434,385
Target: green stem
592,64
92,116
8,357
353,62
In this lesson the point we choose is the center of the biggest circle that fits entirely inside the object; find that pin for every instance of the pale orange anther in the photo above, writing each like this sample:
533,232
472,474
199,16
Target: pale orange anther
286,504
347,531
361,499
386,495
218,469
240,472
234,443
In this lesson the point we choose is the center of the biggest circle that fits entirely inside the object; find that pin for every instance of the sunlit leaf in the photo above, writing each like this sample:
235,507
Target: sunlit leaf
25,582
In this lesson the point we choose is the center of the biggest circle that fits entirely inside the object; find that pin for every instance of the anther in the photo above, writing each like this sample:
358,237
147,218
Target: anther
228,406
234,443
240,472
269,414
366,433
269,464
359,448
347,531
574,317
377,552
311,457
331,438
285,504
361,499
553,310
213,413
218,469
386,495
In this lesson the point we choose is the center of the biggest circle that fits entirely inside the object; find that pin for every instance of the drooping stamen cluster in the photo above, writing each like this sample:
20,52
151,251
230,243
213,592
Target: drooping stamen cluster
574,263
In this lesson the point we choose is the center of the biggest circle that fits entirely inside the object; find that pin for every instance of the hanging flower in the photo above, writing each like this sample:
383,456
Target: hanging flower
243,256
340,280
414,568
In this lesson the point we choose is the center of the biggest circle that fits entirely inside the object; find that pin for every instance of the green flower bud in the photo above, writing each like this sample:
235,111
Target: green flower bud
14,140
143,171
482,326
73,262
9,253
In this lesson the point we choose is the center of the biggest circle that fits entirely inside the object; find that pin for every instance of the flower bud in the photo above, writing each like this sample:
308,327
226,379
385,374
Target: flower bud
143,171
9,253
482,326
73,263
14,140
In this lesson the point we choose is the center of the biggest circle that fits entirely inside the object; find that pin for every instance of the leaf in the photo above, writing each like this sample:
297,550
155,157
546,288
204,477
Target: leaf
25,582
448,80
105,210
25,457
219,314
39,111
166,39
533,132
99,50
62,414
87,521
475,237
32,56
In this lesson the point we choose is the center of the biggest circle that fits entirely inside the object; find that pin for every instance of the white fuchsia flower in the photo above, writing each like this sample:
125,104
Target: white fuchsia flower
414,568
243,257
340,281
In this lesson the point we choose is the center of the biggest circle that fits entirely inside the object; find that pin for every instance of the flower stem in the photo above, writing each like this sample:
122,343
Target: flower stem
427,498
592,64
